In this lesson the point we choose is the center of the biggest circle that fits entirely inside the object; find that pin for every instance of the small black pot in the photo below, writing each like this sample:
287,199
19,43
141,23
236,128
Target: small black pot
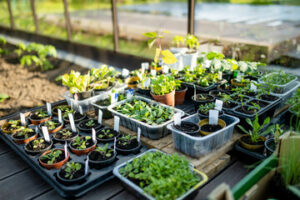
227,76
73,181
32,152
129,151
99,164
268,145
96,127
63,141
76,120
107,140
188,124
197,103
143,91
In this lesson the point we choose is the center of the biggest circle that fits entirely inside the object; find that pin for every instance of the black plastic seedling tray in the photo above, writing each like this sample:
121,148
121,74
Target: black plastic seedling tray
95,177
252,154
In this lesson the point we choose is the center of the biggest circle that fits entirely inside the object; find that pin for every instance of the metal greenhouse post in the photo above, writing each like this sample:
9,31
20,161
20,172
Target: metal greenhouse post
32,2
11,17
191,17
68,21
115,25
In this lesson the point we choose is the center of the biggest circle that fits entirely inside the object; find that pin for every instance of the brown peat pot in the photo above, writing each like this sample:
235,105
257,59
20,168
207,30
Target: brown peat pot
54,165
168,99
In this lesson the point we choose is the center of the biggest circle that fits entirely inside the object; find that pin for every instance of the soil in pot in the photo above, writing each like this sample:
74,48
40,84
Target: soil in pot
63,108
88,124
247,143
64,135
107,135
52,125
127,142
38,145
225,87
104,102
188,127
203,98
24,136
77,117
51,162
206,128
211,128
38,117
79,145
260,103
97,156
217,93
268,97
11,126
72,171
247,110
237,98
229,104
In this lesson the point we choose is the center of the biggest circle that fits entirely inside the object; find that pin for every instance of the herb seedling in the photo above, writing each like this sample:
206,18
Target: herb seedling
106,133
204,109
80,143
52,156
71,168
126,139
162,85
25,133
51,124
38,144
105,151
90,123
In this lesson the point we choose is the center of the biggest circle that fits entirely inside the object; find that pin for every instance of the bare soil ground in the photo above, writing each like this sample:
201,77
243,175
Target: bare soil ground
28,88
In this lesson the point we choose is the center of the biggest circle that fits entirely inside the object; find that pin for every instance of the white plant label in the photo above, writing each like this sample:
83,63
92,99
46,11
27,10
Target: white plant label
147,83
220,75
239,77
213,117
66,149
116,123
72,123
140,75
86,169
129,94
253,87
80,110
49,108
125,72
22,118
165,69
114,98
72,104
218,105
115,144
177,119
94,135
145,66
100,115
195,92
36,129
60,119
46,133
139,134
76,97
153,72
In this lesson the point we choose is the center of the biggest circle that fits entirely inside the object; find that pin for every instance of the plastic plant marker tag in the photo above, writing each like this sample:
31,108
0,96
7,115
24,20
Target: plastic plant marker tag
49,108
140,75
220,75
253,87
153,72
66,149
115,144
145,66
129,94
114,98
239,77
165,69
213,117
46,133
147,83
94,135
125,72
36,129
72,104
195,92
177,119
218,105
116,123
76,97
80,110
22,118
60,119
139,134
72,123
100,115
86,168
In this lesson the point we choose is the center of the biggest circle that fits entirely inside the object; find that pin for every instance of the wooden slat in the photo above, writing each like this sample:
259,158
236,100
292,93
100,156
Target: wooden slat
215,167
11,163
24,185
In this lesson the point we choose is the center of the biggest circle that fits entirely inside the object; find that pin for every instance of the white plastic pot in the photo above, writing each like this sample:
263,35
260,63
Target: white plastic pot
190,59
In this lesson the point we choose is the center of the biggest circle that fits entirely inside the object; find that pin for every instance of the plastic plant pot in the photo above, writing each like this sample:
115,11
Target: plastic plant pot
60,139
105,140
29,150
186,128
77,117
145,92
24,141
80,152
82,126
38,121
56,165
180,95
100,163
56,129
7,129
134,150
204,122
270,146
221,113
71,181
198,102
252,147
168,99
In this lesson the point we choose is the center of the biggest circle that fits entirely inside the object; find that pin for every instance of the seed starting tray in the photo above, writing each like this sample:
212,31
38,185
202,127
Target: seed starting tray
94,178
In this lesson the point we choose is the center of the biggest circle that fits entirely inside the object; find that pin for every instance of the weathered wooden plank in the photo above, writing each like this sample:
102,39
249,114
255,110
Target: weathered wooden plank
215,167
124,195
11,163
104,191
158,144
24,185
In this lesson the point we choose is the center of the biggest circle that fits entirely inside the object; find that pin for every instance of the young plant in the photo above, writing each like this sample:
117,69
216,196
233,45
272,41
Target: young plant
163,85
68,111
38,144
257,128
277,133
3,97
253,106
192,42
126,139
66,133
204,109
25,133
2,44
52,156
178,84
77,83
279,78
226,98
71,168
80,143
106,133
51,124
105,151
90,123
177,40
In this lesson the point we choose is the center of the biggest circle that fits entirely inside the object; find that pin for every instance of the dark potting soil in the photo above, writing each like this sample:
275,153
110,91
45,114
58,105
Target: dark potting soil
84,126
104,102
217,93
130,144
61,157
76,175
260,103
36,117
237,98
41,147
206,97
229,104
268,97
22,136
60,136
56,126
249,141
88,144
187,127
105,136
10,128
251,94
97,156
211,128
244,109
